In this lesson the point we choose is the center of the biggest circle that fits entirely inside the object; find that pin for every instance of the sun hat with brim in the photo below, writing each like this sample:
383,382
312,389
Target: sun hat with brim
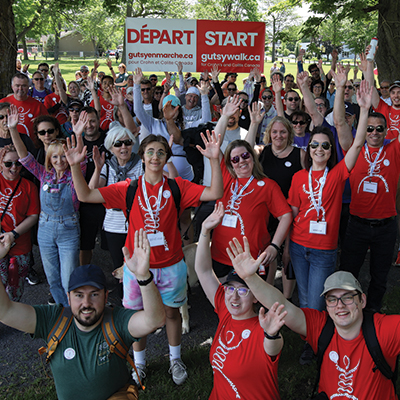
341,280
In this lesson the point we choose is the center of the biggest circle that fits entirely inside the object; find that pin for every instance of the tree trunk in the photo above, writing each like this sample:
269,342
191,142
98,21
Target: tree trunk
388,55
57,41
23,39
128,15
8,47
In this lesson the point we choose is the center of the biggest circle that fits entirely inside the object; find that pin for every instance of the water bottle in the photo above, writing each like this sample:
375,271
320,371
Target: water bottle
13,276
372,51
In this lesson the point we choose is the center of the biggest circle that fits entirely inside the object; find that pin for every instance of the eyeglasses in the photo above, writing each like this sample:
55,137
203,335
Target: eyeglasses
320,105
244,156
9,164
49,131
119,143
153,79
2,116
267,97
231,89
385,87
346,299
293,98
74,109
241,291
43,70
324,145
349,87
317,87
379,128
299,123
313,71
38,79
84,70
146,89
159,153
245,101
332,83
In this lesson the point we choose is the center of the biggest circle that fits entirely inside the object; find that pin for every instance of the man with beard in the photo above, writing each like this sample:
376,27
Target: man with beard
83,364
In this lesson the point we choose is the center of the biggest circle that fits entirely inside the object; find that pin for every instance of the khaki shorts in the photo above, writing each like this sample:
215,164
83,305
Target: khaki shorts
128,392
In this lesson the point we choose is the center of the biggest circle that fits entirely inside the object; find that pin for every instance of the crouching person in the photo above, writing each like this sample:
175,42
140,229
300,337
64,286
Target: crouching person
82,364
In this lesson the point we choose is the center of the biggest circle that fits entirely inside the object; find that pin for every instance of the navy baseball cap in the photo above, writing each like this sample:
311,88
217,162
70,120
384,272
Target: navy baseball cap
87,275
233,276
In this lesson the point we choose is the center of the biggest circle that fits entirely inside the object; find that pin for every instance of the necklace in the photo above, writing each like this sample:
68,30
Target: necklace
278,153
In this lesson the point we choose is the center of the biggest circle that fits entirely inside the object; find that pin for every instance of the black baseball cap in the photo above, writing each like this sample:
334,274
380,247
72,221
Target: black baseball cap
87,275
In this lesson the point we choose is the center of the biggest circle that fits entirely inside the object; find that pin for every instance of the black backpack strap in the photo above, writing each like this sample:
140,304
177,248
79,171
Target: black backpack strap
176,193
369,332
130,195
323,341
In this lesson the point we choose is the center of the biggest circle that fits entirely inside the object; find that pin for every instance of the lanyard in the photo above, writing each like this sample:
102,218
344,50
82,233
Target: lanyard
317,204
236,195
372,165
146,199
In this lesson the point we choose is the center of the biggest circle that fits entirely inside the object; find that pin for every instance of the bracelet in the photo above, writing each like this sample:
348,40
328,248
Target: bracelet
202,234
16,234
111,68
277,248
275,337
147,281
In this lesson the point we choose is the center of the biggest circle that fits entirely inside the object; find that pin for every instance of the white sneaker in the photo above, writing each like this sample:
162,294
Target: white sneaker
141,369
178,371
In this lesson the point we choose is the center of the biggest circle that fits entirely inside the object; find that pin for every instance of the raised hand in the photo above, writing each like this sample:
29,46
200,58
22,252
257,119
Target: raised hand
180,67
334,54
214,73
98,159
109,63
89,84
80,125
13,116
363,64
256,113
276,83
302,79
340,76
214,219
170,112
25,68
56,69
203,88
257,74
231,106
96,64
212,144
364,95
73,153
137,76
117,98
273,320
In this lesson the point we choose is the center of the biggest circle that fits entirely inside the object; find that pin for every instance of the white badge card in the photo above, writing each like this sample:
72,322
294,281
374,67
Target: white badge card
318,228
229,220
156,239
370,187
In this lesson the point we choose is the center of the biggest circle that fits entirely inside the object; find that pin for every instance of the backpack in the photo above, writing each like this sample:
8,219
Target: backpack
114,341
369,332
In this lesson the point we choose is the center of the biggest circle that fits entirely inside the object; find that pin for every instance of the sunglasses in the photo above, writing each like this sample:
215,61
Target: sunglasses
243,156
43,70
241,291
153,79
332,84
378,128
245,101
299,123
267,97
349,87
324,145
49,131
293,98
2,116
231,89
74,109
146,89
385,87
159,154
9,164
84,70
119,143
38,79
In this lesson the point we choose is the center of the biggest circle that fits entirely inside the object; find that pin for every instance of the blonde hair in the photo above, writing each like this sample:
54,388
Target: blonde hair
286,123
56,146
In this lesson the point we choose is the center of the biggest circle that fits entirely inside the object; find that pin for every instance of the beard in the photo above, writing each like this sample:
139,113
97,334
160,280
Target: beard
88,321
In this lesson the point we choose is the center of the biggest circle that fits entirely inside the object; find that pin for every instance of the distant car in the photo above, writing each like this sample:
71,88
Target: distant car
112,53
21,51
291,56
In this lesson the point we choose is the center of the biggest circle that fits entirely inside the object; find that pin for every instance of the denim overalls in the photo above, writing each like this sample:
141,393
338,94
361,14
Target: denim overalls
58,237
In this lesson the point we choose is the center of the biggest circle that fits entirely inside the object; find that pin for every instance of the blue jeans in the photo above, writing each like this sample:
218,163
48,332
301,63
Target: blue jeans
312,267
58,238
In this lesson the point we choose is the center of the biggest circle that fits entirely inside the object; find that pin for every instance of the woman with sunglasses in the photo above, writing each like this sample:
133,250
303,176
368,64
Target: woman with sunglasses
58,233
247,345
19,212
316,200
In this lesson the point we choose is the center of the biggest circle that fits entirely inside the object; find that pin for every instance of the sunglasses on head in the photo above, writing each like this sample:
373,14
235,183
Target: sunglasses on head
269,97
243,156
38,79
350,87
146,89
9,164
44,131
324,145
378,128
293,98
298,122
119,143
2,116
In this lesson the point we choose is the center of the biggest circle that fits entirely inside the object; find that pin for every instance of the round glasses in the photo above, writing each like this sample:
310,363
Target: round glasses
243,156
241,291
159,154
346,299
324,145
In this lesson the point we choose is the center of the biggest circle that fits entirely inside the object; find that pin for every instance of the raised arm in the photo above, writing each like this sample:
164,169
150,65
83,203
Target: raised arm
214,76
153,315
90,85
60,86
13,118
99,159
368,69
334,56
246,267
256,117
277,87
170,114
203,263
230,108
321,71
364,100
109,65
205,103
271,322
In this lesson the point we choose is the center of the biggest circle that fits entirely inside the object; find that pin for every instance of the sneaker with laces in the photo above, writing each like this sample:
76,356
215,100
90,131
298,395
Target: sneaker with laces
141,369
397,262
33,277
178,371
307,355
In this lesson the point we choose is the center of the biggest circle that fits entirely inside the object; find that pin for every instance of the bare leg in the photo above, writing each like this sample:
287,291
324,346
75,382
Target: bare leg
173,325
288,286
85,257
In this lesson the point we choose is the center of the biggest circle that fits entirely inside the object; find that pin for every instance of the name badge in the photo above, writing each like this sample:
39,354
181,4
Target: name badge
229,220
370,187
156,239
318,228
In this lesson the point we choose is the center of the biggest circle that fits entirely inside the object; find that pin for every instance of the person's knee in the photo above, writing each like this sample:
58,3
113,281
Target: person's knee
172,314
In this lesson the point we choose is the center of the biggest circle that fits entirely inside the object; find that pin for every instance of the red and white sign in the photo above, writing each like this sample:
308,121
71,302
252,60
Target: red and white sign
158,44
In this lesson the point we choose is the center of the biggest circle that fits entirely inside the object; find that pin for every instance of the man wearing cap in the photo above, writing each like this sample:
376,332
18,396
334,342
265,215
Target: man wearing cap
347,369
153,80
82,364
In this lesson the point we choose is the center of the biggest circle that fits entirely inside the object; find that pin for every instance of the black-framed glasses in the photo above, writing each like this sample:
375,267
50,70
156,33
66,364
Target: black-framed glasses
153,79
241,291
299,123
2,116
76,109
293,98
244,156
320,105
385,87
350,87
231,89
159,154
378,128
38,79
9,164
347,299
44,131
267,97
146,89
119,143
324,145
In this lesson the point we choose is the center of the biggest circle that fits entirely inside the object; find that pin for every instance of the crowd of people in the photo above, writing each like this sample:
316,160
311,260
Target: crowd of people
283,176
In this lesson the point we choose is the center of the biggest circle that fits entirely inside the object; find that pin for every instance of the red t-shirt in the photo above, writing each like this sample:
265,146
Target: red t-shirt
347,367
260,199
171,253
386,174
106,114
241,367
28,110
331,202
62,113
392,116
25,202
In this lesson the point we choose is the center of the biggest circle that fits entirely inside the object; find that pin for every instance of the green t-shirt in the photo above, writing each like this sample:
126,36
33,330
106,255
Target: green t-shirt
82,365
